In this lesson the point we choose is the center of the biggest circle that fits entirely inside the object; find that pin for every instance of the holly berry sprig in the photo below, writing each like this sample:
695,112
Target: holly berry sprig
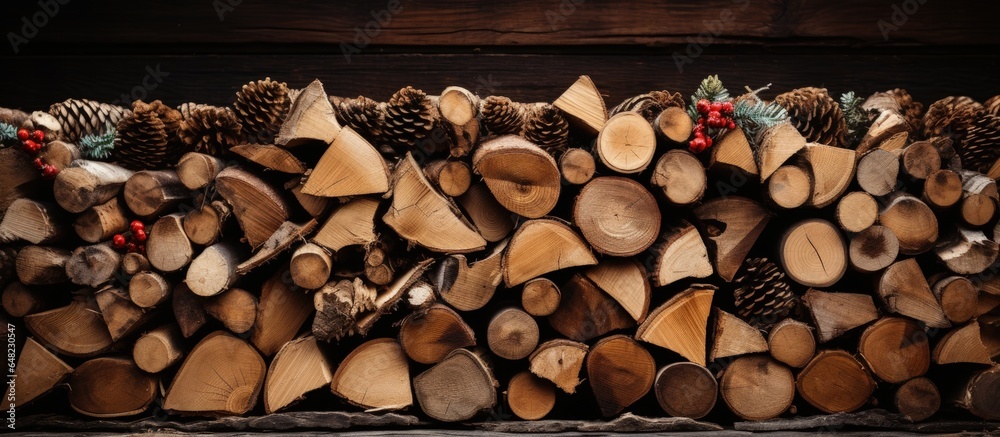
31,143
712,115
133,240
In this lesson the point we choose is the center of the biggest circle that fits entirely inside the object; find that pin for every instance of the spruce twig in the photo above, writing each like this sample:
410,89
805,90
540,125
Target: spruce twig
8,134
753,116
711,89
857,118
99,146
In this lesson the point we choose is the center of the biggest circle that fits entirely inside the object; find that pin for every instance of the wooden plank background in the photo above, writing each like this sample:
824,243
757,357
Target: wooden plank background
528,50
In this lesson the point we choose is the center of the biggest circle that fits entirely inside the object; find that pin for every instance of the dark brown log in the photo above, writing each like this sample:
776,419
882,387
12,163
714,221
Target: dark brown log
835,382
585,312
151,193
148,289
920,159
895,349
979,395
969,252
20,301
917,399
98,386
427,338
457,388
620,372
38,370
121,316
958,297
686,389
942,189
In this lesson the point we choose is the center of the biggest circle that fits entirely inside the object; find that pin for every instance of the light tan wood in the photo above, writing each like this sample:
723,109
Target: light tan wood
958,297
310,266
460,109
673,124
541,246
790,186
450,177
214,270
856,211
792,342
757,387
917,399
75,330
512,334
904,290
776,145
686,389
540,297
374,375
895,349
387,297
310,119
20,301
203,224
584,105
680,253
969,252
469,287
962,345
258,207
189,310
913,222
101,222
59,154
150,193
559,361
679,175
134,262
33,222
222,375
834,314
832,169
813,253
577,166
271,157
98,385
197,170
873,249
457,388
733,151
979,198
40,265
93,265
942,189
298,368
168,247
236,308
620,372
21,177
680,323
835,382
530,397
920,159
522,177
37,372
281,311
88,183
626,143
617,216
626,281
585,312
159,349
734,337
492,219
351,224
885,126
427,338
733,224
148,289
315,205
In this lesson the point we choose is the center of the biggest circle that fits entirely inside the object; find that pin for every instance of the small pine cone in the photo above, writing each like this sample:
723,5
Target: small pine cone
912,110
364,115
80,118
143,140
260,108
186,108
815,114
643,104
501,116
409,118
667,99
7,272
763,297
992,105
980,144
950,116
547,127
211,130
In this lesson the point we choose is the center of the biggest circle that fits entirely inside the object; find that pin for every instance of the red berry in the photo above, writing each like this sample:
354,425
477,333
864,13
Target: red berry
118,241
714,114
49,171
131,247
698,143
136,226
716,106
708,142
38,136
39,164
140,235
702,106
732,125
23,134
727,107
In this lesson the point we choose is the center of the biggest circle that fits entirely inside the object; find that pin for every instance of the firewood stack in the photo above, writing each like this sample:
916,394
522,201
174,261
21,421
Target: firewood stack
451,256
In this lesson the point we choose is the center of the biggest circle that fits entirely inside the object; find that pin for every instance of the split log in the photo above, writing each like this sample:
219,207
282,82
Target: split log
197,170
339,305
134,262
34,222
540,297
457,388
585,312
680,323
168,247
813,253
429,337
460,109
381,261
878,172
835,382
577,166
679,175
512,334
970,253
541,246
20,301
258,207
222,375
314,205
101,222
895,349
962,345
310,266
452,178
38,265
75,330
912,221
625,281
832,169
469,287
92,265
351,224
620,372
979,198
375,375
559,361
159,349
733,151
150,193
790,186
270,157
685,389
189,310
885,126
522,177
423,216
942,189
757,387
121,316
98,386
21,177
674,125
37,372
920,159
856,211
979,394
310,119
584,105
298,368
530,397
626,143
281,240
792,342
236,308
214,270
873,249
834,314
281,311
904,290
203,225
492,219
148,289
958,297
386,298
917,399
734,337
732,225
680,253
777,145
88,183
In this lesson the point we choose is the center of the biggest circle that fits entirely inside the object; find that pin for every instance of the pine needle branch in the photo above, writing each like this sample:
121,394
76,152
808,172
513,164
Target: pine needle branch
754,116
8,134
858,119
99,146
711,89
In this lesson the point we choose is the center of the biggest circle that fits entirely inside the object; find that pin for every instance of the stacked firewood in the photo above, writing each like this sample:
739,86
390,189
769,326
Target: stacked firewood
451,255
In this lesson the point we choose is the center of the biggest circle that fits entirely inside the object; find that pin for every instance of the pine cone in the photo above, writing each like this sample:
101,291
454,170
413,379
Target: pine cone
950,116
260,108
547,127
980,144
210,129
912,110
144,141
763,298
186,108
364,115
7,272
643,104
815,114
667,99
501,116
409,118
83,117
992,105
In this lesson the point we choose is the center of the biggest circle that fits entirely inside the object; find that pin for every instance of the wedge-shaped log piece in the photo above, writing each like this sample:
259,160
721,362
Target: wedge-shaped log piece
298,368
833,314
530,397
584,105
896,349
427,338
351,224
311,118
559,361
282,310
732,225
490,217
37,371
620,372
734,337
168,247
189,310
835,382
904,290
271,157
111,387
349,167
40,265
776,145
121,316
962,345
625,281
522,177
680,253
223,375
733,151
375,375
457,388
258,207
970,253
541,246
832,172
468,287
34,222
586,312
680,323
76,330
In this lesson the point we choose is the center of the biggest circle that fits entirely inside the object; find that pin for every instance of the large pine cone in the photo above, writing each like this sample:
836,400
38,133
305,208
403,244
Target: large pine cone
80,118
992,105
409,118
144,139
912,110
501,116
364,115
981,143
210,129
547,127
260,108
816,115
763,297
950,116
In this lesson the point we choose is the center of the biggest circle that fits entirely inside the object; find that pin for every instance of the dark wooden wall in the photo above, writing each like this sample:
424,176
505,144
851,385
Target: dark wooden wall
528,50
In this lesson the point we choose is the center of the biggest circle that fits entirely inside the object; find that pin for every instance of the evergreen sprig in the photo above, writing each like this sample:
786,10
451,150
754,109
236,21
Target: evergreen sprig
99,146
8,134
711,89
858,119
753,116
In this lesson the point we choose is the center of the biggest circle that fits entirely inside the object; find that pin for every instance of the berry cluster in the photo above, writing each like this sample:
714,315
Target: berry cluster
133,240
31,143
714,115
